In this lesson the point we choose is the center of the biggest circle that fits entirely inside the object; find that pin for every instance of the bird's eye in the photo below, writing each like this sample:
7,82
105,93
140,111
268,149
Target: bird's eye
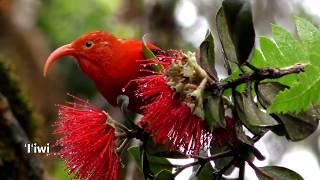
89,44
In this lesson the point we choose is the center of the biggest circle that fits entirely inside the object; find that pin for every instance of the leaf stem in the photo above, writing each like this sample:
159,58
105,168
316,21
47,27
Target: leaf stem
252,67
258,170
257,137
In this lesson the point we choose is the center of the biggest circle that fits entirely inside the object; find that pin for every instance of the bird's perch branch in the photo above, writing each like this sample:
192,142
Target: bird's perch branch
262,74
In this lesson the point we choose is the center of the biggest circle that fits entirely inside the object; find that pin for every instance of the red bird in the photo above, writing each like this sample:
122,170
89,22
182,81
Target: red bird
109,61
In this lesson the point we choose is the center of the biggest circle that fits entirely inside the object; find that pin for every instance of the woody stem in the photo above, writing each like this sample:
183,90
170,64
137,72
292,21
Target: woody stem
202,161
261,74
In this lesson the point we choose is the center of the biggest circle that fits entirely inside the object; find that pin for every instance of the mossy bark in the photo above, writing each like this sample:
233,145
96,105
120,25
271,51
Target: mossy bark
18,104
17,127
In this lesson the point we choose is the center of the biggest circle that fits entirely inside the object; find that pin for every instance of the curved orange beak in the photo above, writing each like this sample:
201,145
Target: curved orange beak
62,51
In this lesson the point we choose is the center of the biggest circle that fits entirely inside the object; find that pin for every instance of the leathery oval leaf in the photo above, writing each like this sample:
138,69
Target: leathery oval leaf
207,55
251,115
277,172
158,163
296,126
235,28
214,112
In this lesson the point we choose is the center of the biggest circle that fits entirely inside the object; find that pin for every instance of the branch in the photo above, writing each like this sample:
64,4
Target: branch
202,161
262,74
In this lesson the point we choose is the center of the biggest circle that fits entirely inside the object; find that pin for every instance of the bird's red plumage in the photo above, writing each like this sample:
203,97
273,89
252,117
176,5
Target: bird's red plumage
121,69
109,61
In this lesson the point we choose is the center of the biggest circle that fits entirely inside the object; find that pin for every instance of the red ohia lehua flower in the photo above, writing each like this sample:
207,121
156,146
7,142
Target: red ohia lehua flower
88,142
173,113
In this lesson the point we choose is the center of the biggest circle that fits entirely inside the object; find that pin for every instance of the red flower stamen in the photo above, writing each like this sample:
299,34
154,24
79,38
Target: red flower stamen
168,119
88,143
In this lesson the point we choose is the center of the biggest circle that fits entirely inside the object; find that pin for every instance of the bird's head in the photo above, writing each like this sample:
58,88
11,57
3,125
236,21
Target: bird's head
92,50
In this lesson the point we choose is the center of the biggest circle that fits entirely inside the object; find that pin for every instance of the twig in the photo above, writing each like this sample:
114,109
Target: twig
144,160
262,74
242,170
220,172
257,137
252,67
258,170
203,160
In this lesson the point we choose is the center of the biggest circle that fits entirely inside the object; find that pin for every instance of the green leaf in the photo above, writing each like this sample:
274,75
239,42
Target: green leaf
241,135
135,154
295,126
207,55
309,35
290,47
315,60
300,96
146,51
162,150
157,163
221,162
299,127
148,54
234,75
251,116
286,50
272,53
236,30
257,59
278,173
275,58
164,175
214,112
228,47
206,172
